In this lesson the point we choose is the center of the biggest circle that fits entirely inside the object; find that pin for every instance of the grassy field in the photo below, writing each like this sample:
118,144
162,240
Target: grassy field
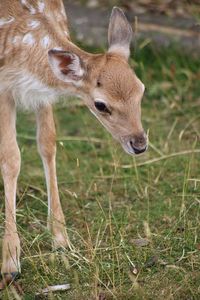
134,222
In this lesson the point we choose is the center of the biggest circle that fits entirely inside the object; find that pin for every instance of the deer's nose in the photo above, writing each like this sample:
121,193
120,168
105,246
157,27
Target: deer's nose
137,150
139,143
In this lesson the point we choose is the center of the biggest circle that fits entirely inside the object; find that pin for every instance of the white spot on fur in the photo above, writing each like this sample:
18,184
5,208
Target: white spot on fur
24,2
28,39
45,42
4,21
16,39
33,24
41,6
32,11
30,7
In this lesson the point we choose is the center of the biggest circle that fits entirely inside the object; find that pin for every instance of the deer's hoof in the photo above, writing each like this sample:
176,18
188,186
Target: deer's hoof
8,278
12,275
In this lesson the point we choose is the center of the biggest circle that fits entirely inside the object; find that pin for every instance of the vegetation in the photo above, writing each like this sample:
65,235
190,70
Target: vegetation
133,222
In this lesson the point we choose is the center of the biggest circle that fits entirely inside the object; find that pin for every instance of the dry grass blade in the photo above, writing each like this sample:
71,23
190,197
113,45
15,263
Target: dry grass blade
157,159
140,242
67,139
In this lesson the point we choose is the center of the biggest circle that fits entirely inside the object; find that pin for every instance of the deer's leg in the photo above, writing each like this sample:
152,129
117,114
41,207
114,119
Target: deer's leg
46,138
10,167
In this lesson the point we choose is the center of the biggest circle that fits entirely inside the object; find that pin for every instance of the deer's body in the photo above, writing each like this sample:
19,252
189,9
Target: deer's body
38,63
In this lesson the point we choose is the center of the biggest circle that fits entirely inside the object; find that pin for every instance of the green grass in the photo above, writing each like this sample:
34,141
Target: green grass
110,199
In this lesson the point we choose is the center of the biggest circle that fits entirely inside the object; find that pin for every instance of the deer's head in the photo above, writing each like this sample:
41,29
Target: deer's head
110,88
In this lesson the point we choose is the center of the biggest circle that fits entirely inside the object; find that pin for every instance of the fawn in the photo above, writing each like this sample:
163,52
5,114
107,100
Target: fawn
38,63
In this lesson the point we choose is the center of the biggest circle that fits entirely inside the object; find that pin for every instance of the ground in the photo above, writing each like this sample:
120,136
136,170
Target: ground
133,221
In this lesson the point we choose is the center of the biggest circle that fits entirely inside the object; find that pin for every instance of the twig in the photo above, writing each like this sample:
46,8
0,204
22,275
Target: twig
54,288
157,159
67,138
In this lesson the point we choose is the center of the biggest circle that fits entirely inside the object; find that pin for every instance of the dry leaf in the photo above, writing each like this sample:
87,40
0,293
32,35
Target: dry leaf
151,262
141,242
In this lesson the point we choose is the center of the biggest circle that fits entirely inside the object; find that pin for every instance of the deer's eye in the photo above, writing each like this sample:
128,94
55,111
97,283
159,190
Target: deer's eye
101,106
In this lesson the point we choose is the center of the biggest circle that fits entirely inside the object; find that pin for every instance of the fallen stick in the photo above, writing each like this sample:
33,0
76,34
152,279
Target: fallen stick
54,288
154,160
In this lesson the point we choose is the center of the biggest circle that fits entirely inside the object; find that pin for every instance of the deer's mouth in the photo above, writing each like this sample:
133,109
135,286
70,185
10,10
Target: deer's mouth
134,145
132,150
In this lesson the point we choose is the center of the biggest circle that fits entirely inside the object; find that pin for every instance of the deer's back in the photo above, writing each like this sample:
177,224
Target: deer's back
28,29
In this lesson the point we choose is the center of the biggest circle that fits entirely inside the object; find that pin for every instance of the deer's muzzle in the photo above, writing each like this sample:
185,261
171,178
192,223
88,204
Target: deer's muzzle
135,144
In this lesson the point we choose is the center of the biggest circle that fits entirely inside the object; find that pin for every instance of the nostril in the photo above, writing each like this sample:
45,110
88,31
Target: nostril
131,143
137,150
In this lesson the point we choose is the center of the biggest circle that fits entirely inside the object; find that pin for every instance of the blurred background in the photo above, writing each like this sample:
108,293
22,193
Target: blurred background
162,22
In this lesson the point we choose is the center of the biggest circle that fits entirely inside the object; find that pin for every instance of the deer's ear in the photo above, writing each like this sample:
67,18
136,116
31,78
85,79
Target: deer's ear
119,33
67,66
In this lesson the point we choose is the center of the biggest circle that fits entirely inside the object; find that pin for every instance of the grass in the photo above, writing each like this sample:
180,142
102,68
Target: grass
110,199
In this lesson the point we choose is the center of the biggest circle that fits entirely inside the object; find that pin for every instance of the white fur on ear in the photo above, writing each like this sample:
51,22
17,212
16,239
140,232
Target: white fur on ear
119,33
66,66
118,49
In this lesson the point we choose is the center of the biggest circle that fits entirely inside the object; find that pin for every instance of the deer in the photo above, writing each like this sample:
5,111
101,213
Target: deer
39,63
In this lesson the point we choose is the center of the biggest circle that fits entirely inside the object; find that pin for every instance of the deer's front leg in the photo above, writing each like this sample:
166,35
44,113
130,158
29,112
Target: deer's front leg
10,167
46,138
